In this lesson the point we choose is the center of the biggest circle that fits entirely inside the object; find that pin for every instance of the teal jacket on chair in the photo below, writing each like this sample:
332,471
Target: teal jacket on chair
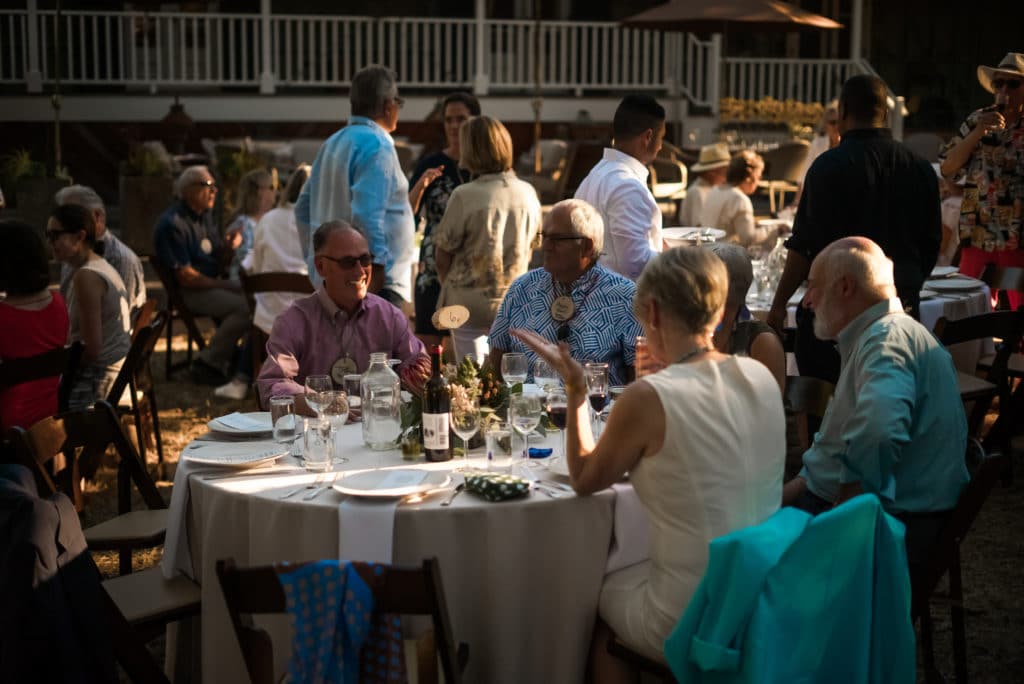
802,600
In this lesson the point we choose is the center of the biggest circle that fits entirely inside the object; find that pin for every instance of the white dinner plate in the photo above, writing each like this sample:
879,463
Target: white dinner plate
680,237
955,285
251,423
944,271
235,459
390,483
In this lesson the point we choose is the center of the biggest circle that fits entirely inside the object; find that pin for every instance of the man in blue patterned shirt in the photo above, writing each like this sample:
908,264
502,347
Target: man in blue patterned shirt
357,178
572,298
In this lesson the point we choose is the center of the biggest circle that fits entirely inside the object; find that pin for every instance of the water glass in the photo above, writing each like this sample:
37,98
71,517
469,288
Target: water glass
316,387
465,421
524,414
514,368
317,445
282,417
499,447
335,412
544,376
350,384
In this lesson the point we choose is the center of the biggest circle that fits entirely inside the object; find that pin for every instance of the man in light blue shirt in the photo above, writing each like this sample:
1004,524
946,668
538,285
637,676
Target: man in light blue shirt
357,178
896,426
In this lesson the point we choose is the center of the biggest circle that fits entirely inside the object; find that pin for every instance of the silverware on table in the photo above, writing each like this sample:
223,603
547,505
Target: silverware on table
455,492
312,485
323,488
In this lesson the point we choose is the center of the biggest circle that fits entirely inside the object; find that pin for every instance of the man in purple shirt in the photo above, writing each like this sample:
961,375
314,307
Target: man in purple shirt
335,329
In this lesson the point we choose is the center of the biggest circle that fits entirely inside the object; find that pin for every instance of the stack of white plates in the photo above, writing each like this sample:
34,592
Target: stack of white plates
251,423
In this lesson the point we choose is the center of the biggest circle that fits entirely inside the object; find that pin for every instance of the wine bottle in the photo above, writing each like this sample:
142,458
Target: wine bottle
436,412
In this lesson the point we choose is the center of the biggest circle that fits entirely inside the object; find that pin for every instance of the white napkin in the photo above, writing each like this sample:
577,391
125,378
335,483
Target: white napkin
239,421
366,529
631,530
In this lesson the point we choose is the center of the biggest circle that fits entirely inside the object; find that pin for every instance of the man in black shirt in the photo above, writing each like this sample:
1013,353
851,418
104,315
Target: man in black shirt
869,185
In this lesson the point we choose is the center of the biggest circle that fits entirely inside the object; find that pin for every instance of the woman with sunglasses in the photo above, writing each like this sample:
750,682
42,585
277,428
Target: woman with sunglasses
97,304
987,154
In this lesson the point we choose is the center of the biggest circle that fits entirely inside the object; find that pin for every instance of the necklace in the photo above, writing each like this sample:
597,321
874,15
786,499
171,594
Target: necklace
693,352
563,309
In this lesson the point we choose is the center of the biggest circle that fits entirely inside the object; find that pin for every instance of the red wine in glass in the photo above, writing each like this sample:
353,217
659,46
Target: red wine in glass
992,137
598,400
557,416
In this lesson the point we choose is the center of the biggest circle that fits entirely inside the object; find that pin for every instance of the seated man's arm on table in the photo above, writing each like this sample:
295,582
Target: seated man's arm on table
372,183
878,428
280,374
629,226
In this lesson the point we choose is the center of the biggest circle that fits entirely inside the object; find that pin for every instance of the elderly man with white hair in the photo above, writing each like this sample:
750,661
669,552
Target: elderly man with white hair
573,298
896,426
115,252
189,244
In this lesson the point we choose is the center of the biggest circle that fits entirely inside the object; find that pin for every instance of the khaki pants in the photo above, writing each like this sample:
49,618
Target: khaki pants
232,312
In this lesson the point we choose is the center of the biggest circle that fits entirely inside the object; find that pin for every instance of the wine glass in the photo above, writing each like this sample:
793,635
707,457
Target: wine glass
316,388
557,406
465,421
334,409
596,375
544,376
524,411
514,368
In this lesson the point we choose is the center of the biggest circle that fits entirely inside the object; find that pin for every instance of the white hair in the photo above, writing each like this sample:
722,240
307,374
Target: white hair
191,174
81,195
869,268
586,222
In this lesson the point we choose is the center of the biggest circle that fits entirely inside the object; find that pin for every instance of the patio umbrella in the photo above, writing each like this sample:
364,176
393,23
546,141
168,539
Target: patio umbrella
721,16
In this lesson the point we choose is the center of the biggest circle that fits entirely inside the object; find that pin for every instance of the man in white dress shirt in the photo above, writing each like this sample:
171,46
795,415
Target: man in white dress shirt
617,186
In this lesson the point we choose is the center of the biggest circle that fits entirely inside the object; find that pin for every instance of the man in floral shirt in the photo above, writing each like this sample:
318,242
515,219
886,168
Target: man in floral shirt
988,155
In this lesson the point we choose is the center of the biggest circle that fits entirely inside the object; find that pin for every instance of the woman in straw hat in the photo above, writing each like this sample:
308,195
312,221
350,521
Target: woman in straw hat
987,154
711,166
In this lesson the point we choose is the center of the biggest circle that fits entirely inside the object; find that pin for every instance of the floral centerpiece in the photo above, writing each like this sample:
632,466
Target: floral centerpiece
468,382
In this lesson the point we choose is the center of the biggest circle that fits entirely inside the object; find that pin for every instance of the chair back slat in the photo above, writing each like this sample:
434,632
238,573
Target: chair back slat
258,283
143,318
48,364
144,340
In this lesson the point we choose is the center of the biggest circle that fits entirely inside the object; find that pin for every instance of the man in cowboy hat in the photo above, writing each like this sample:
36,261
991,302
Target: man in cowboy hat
711,167
617,186
987,155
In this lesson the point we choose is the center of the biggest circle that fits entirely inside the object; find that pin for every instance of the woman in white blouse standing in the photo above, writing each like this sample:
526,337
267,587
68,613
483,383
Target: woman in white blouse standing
487,234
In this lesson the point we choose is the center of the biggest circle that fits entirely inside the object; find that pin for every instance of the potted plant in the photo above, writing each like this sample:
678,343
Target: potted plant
33,190
146,190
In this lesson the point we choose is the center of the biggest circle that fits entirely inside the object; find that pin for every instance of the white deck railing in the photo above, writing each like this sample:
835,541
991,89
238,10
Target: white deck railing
173,51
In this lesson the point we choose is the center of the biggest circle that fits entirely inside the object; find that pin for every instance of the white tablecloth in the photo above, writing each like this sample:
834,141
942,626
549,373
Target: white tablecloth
521,578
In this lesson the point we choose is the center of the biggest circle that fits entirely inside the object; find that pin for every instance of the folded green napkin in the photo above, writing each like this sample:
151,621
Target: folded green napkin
496,486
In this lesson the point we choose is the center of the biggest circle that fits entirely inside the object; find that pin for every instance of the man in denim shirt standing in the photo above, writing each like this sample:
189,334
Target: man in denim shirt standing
357,178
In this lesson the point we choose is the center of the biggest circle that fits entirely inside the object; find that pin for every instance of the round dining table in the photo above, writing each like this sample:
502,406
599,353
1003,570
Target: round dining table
521,577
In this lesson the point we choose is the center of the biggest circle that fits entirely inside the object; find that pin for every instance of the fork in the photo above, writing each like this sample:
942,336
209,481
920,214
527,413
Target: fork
324,486
312,485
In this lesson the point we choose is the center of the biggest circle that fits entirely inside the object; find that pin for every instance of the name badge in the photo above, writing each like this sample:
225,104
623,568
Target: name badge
562,308
205,246
342,367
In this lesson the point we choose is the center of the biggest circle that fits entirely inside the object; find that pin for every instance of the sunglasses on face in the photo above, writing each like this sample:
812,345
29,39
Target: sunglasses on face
212,184
1010,83
347,262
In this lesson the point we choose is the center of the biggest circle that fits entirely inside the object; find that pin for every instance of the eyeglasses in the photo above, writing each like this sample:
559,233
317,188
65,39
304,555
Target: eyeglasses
559,238
1010,83
209,183
347,262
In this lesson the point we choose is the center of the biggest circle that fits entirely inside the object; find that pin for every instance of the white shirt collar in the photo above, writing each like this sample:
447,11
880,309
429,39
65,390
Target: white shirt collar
638,168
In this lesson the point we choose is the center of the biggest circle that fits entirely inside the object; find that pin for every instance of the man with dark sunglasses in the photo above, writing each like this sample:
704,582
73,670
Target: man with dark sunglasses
987,155
335,329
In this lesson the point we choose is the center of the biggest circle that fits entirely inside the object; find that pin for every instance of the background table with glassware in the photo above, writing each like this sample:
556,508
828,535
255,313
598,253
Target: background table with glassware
522,578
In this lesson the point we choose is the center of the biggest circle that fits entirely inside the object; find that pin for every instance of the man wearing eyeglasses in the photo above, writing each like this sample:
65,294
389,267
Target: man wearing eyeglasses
189,244
987,155
334,330
357,178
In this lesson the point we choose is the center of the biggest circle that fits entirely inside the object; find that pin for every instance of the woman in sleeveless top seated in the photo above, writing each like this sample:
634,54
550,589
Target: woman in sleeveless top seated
702,439
751,337
97,304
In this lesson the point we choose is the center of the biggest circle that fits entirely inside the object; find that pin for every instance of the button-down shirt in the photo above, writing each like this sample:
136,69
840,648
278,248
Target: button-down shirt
275,247
603,327
127,265
617,188
357,178
314,333
185,238
896,423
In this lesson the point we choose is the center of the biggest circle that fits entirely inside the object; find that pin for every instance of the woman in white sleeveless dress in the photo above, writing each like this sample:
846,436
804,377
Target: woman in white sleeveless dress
703,441
97,304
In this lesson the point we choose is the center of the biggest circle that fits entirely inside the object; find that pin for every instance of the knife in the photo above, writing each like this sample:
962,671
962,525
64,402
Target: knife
455,492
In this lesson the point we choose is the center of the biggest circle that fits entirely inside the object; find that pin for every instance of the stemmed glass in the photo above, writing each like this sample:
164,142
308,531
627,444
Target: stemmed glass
465,421
514,368
596,375
557,406
524,412
544,376
317,387
334,410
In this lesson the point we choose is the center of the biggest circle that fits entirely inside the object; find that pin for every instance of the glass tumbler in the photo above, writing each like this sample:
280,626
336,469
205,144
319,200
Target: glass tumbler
282,417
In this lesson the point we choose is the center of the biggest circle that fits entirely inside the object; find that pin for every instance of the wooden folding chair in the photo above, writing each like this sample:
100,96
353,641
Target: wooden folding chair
177,309
407,591
136,377
258,283
59,362
944,558
87,434
1004,279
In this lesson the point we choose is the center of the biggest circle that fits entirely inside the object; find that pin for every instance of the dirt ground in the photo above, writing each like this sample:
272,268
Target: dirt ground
993,553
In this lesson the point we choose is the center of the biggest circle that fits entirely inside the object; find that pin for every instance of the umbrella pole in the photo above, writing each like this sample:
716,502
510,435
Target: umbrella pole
537,101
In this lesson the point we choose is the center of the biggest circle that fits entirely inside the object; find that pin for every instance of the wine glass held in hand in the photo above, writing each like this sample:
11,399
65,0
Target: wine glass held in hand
514,368
525,410
316,388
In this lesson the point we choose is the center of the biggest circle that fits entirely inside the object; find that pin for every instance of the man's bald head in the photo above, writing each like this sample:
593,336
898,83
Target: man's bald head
848,277
329,228
864,262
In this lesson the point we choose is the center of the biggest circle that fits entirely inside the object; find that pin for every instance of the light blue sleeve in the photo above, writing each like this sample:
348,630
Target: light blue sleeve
302,217
372,184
